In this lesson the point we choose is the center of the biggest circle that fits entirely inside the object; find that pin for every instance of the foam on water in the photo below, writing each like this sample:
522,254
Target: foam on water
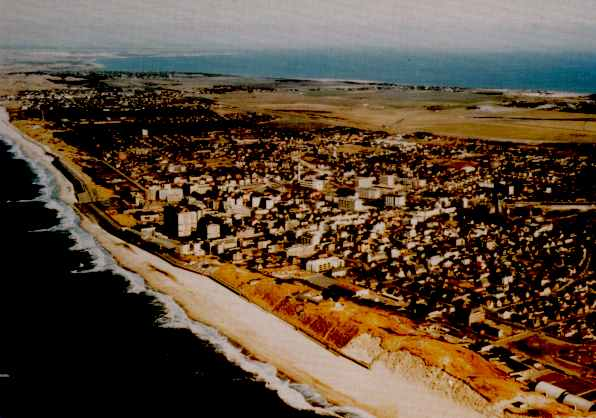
298,396
37,199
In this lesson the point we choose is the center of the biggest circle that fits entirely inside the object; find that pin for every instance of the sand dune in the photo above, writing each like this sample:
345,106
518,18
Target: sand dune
378,390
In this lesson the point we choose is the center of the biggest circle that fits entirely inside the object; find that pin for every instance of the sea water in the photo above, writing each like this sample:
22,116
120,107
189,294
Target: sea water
84,337
568,72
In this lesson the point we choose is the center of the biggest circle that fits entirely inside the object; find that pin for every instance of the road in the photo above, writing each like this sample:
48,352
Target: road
134,182
582,207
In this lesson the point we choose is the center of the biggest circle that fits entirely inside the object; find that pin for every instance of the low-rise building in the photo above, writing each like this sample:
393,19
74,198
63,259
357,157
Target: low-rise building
213,231
364,182
324,264
368,192
395,201
316,184
387,180
351,203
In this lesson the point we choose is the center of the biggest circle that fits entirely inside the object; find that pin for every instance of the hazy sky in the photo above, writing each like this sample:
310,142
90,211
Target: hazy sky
495,25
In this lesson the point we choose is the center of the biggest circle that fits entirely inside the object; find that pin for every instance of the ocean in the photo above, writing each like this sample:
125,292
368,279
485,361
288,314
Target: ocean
571,72
87,338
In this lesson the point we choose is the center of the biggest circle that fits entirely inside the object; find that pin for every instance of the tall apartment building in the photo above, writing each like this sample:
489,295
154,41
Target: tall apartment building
180,223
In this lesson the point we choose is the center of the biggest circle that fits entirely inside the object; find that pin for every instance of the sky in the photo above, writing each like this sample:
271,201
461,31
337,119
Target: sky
222,25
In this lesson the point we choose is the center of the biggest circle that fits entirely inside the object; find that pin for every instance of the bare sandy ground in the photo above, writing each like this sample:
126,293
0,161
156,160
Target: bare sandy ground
377,390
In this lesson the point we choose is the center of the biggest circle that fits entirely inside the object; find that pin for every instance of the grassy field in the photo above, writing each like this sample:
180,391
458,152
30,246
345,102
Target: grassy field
464,114
396,110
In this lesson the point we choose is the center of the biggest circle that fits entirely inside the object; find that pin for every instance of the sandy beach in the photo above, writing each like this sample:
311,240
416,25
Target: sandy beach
378,390
38,153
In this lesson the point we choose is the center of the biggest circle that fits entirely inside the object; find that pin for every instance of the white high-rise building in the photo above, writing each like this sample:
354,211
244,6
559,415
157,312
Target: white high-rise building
316,184
387,180
368,192
363,182
182,223
187,223
324,264
395,201
352,203
213,231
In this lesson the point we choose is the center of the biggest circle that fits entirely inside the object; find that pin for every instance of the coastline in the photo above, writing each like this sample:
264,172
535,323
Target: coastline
101,63
394,385
40,153
377,390
276,342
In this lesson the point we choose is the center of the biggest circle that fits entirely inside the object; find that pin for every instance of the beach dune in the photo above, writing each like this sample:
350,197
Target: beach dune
377,390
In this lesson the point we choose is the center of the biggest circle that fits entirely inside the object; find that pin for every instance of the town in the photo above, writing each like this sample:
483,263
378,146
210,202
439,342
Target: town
487,244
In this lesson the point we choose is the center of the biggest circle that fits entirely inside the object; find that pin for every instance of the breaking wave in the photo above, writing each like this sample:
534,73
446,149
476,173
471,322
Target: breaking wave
298,396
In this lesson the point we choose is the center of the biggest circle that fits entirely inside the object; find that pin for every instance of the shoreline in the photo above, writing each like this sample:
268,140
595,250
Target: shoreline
33,151
266,337
88,61
517,91
276,342
513,92
388,388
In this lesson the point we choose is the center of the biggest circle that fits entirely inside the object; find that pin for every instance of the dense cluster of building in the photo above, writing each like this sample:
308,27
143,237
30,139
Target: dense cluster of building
432,224
442,226
477,235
